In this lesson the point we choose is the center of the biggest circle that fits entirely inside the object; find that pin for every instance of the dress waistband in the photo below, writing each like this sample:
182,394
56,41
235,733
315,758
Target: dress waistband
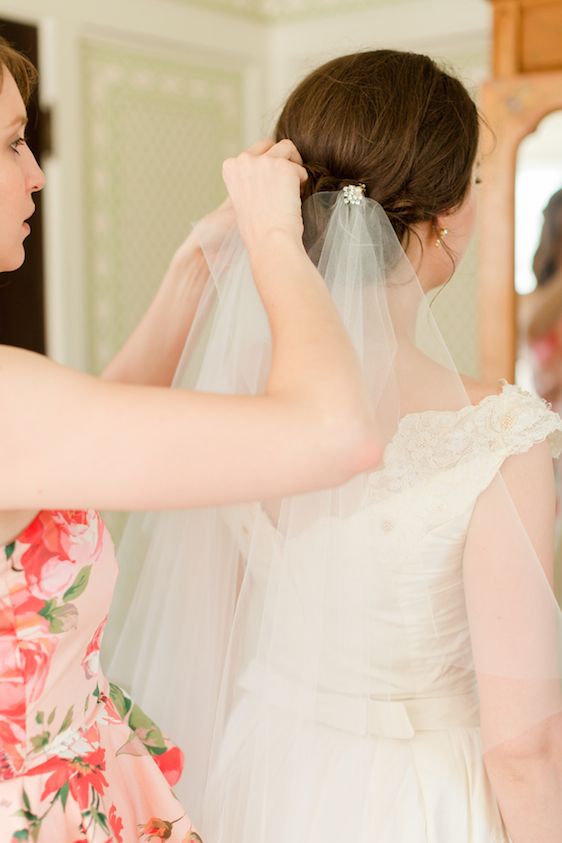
363,715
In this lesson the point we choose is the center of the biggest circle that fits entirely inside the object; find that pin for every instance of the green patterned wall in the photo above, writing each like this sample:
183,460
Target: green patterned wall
155,131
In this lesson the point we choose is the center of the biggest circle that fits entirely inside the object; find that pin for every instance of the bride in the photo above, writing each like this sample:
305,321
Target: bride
381,661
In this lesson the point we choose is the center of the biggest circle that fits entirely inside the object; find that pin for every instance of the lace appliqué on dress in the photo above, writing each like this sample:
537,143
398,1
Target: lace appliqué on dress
433,441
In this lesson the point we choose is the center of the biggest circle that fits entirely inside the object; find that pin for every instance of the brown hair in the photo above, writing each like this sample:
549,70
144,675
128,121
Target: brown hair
23,71
392,120
548,256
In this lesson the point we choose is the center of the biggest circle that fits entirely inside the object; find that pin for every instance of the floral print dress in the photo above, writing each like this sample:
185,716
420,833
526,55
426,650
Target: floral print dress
79,761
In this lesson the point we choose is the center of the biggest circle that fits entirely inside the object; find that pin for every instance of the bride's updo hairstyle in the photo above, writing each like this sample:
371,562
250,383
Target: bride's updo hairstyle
395,122
24,73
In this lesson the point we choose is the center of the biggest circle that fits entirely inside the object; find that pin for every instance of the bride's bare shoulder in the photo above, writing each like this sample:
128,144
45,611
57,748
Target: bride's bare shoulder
478,390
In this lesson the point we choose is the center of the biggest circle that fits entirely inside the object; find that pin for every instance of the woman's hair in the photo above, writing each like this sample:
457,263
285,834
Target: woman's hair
23,71
392,120
548,257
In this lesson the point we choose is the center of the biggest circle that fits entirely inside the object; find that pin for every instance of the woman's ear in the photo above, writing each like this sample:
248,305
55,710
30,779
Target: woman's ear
440,230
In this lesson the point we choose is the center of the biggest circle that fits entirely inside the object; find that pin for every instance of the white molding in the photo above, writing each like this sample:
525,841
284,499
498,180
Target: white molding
155,18
273,12
66,318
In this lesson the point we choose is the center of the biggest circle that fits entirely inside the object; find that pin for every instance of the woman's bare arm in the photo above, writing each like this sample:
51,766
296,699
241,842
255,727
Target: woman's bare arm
152,352
69,440
513,617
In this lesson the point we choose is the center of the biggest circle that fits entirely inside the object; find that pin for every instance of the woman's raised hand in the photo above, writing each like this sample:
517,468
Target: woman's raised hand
264,185
220,220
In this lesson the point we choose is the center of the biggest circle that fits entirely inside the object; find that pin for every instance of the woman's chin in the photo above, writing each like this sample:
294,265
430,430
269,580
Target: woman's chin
12,262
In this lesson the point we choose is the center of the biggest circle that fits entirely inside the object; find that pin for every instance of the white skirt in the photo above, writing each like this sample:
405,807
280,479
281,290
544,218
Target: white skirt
275,783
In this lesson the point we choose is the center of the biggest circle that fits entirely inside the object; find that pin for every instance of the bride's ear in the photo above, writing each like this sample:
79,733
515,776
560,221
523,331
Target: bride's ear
440,228
426,233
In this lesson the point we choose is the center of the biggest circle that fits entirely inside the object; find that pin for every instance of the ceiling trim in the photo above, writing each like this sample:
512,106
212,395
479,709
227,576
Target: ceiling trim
273,11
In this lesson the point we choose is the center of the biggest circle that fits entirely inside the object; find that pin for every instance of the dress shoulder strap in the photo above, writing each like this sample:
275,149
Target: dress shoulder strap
516,420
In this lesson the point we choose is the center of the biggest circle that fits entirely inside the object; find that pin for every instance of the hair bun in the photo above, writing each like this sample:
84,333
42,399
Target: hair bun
392,120
319,179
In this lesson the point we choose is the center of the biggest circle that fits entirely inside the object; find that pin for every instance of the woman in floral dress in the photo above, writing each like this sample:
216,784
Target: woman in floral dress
79,761
71,742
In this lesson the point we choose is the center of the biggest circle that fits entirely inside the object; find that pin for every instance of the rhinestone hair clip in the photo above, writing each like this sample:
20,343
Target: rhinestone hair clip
354,194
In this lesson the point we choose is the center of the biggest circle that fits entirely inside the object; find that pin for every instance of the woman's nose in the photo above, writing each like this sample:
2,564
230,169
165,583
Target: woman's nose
36,176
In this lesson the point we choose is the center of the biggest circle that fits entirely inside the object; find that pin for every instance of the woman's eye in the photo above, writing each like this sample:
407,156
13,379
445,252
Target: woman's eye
478,180
18,142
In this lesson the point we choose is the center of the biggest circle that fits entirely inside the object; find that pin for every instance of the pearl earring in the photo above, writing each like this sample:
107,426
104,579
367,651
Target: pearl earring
442,233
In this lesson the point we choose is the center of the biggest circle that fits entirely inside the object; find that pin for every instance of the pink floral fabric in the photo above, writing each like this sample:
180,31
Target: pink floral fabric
79,761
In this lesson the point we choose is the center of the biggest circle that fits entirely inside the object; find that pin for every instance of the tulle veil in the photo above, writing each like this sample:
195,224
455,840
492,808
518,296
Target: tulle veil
236,626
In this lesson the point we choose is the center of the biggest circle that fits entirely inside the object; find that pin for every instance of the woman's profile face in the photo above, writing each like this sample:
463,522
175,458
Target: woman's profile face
20,176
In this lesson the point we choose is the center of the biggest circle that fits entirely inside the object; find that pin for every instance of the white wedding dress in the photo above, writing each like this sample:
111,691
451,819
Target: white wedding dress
391,754
320,674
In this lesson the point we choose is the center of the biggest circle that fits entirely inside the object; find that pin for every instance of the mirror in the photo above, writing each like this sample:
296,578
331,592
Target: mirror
538,365
539,306
519,176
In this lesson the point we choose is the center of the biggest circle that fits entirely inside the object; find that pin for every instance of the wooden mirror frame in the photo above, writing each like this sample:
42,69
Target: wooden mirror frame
527,87
514,108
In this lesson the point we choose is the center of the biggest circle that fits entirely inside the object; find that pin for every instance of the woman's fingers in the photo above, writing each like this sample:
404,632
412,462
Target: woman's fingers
282,149
287,149
261,147
219,216
266,149
265,191
303,175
